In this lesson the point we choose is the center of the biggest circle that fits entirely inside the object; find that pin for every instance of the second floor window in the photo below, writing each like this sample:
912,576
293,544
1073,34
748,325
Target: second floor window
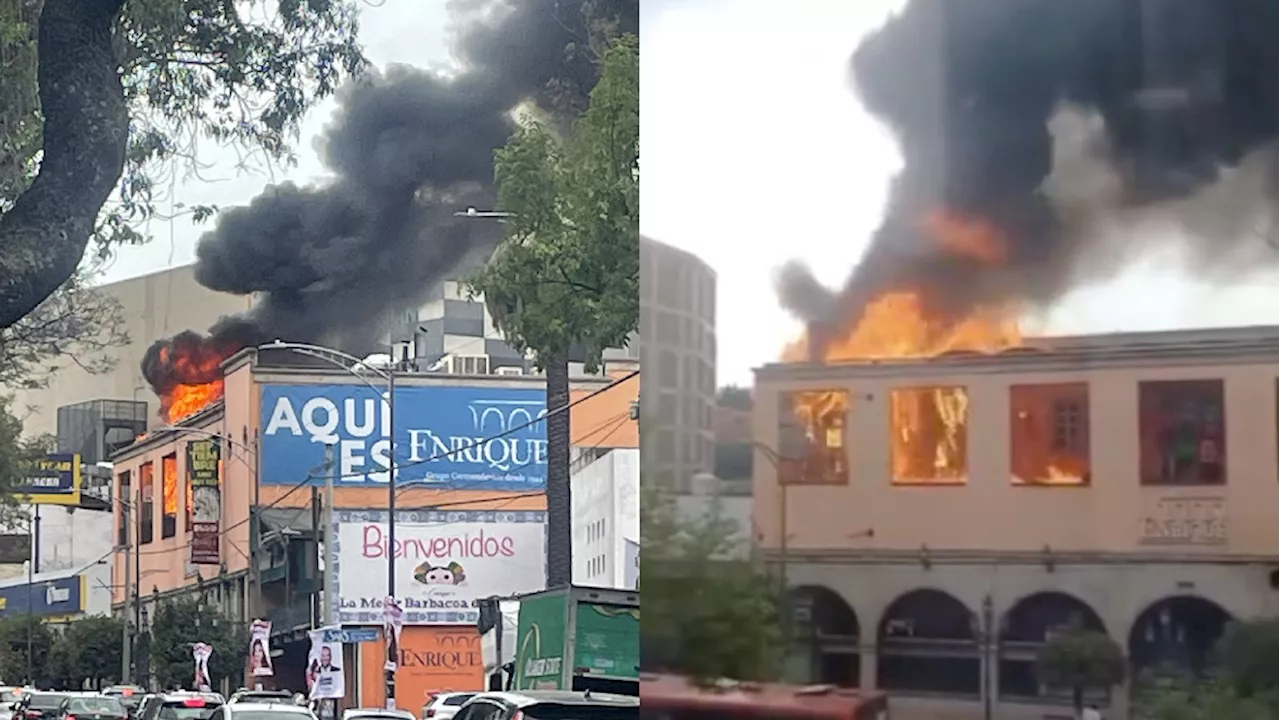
147,508
1183,434
124,497
812,437
169,479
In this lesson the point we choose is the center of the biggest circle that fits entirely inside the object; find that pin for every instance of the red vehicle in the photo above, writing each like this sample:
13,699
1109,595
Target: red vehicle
671,697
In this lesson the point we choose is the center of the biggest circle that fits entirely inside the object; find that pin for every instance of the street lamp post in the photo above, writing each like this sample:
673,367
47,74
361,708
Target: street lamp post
353,365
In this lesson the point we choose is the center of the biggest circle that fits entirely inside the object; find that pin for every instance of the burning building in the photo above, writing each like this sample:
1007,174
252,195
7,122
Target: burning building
938,486
406,150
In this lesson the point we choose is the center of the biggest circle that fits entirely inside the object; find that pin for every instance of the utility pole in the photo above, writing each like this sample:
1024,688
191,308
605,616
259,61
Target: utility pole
330,479
392,661
126,641
137,576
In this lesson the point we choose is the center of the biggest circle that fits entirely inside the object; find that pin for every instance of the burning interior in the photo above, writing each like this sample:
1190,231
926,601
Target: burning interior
1029,169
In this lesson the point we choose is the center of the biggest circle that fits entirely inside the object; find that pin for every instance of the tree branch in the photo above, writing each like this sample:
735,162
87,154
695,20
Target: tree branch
86,126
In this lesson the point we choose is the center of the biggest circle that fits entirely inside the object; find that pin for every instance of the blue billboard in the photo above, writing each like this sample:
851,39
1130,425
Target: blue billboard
51,480
63,596
447,437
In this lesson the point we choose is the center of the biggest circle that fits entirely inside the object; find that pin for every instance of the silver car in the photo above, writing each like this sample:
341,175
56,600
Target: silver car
263,711
376,714
444,706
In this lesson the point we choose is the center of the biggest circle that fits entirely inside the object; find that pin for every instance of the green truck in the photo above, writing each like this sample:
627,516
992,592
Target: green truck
578,638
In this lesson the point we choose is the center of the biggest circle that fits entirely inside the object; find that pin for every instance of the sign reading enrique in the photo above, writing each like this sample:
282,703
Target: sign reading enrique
445,562
450,437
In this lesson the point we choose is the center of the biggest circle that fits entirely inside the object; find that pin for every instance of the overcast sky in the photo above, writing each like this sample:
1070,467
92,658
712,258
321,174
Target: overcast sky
407,32
756,152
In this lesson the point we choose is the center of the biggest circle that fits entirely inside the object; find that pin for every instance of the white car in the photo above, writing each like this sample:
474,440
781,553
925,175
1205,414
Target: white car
262,711
376,714
445,705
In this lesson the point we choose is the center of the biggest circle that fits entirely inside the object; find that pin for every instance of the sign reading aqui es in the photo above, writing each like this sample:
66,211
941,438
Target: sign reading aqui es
204,461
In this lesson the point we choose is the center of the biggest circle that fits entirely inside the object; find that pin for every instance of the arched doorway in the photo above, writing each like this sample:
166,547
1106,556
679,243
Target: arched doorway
1178,633
1024,629
824,638
926,643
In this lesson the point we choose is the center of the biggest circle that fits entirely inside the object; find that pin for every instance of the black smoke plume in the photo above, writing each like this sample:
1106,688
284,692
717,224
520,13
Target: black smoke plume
1087,131
407,149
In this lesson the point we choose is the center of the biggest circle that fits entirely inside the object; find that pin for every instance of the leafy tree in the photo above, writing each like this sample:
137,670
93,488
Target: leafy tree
94,649
1243,687
1080,659
567,276
711,611
77,325
179,624
99,89
17,634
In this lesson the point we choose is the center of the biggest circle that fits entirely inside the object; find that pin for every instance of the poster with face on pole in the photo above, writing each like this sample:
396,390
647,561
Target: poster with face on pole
260,649
325,680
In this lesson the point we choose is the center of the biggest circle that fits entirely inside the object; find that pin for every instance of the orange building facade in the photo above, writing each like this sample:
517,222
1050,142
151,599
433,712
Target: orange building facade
938,519
239,527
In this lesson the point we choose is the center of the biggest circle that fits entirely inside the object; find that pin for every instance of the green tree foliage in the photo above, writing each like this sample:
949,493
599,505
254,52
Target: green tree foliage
179,624
1080,659
1243,687
17,634
94,649
148,82
568,274
711,609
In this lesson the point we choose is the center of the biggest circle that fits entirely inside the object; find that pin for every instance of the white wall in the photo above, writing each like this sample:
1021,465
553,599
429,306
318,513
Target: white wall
709,498
68,540
72,540
606,514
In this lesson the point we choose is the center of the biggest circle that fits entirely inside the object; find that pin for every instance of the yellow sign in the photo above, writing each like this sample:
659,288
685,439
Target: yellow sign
54,479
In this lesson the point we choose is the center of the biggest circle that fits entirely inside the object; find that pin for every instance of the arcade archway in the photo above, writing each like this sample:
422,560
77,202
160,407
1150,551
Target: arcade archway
824,637
1178,633
1024,629
926,643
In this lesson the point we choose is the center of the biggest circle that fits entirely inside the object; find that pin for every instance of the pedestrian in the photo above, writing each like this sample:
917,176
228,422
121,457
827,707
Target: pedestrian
1091,713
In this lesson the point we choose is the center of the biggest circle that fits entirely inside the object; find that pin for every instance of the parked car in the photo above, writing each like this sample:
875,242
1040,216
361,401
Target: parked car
92,707
180,706
376,714
38,705
549,705
443,706
261,696
130,696
263,711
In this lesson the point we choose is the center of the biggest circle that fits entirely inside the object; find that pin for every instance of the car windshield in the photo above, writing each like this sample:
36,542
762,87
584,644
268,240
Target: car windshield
556,711
456,699
9,696
100,705
46,701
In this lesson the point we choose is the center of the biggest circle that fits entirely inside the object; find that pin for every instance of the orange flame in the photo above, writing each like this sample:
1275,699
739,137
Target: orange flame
169,483
930,424
187,400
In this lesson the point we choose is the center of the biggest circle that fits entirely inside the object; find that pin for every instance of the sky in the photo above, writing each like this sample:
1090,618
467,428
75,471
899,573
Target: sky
392,31
757,152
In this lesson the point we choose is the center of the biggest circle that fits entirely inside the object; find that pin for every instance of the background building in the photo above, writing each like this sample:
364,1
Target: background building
59,596
606,518
154,306
945,516
678,353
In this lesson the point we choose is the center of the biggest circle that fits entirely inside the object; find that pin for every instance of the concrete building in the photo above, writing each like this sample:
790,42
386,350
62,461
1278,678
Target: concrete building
943,517
606,519
258,551
678,353
728,501
155,306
